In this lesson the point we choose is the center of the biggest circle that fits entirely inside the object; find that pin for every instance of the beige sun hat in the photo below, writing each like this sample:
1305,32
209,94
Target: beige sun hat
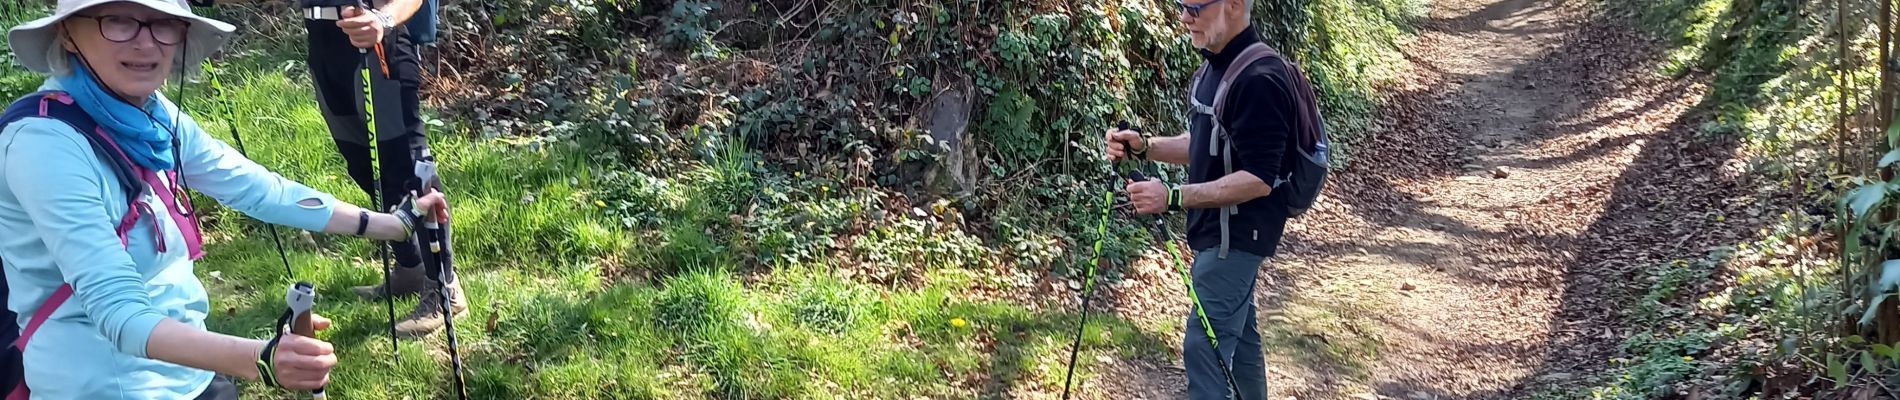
31,41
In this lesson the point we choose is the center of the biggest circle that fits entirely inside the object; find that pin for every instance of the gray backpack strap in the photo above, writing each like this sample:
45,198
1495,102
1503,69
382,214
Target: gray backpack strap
1247,57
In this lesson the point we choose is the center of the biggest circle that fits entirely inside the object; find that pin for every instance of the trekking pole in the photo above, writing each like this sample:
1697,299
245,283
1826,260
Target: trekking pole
1166,236
438,258
1088,287
301,298
369,121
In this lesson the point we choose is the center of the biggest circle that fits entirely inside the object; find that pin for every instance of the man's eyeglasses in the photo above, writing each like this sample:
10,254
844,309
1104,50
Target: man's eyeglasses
121,29
1195,10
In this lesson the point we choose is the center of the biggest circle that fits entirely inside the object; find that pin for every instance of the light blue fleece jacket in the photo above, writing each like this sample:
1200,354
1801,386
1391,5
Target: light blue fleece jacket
59,204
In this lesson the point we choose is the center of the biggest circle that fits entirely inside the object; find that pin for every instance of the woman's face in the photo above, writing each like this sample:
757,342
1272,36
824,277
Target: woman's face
129,47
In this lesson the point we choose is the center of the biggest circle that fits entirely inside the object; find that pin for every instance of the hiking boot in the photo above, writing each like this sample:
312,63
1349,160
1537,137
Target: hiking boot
407,281
427,317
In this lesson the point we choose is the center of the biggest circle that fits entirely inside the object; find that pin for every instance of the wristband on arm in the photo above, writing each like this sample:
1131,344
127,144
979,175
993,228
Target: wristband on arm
1174,198
405,213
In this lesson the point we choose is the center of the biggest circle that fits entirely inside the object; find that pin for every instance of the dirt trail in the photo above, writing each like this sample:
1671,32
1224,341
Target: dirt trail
1470,251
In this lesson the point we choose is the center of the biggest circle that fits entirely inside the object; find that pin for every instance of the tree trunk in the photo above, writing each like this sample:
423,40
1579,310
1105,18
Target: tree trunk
1841,70
1887,319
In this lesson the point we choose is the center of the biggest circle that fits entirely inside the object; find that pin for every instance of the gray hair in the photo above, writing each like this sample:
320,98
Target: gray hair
56,54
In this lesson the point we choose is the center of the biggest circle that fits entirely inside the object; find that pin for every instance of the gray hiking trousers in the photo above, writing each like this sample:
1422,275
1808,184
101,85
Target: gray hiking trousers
1226,291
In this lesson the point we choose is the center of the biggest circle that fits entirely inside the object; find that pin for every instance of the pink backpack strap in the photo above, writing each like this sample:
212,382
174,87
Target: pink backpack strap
20,393
45,311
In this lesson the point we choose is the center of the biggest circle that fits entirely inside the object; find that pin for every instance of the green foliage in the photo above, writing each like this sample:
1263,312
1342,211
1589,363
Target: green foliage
695,301
16,82
749,364
1660,365
687,27
904,241
1664,356
600,24
792,232
1010,119
728,184
1777,85
767,115
829,305
636,199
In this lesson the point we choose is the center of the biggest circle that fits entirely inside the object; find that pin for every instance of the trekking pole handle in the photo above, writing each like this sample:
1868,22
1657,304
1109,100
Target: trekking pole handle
301,298
428,182
1130,146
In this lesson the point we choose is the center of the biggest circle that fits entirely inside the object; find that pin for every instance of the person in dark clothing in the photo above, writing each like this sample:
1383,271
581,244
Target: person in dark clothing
1259,119
341,37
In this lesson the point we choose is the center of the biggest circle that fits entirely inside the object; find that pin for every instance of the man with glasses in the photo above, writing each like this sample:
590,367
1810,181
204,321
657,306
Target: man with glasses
343,36
1233,220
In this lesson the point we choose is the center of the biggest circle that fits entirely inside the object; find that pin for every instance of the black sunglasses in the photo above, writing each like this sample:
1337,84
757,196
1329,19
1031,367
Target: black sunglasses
1195,11
121,29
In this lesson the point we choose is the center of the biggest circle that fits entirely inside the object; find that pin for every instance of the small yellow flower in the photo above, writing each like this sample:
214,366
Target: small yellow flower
599,203
958,322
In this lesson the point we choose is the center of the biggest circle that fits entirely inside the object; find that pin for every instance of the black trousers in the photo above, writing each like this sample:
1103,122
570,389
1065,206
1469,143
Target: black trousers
336,72
221,389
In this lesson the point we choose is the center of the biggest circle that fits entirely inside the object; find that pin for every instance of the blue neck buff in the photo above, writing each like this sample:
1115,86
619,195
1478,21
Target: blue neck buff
144,135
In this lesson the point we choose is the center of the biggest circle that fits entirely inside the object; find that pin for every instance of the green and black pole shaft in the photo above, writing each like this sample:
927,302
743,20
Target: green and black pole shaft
1088,288
376,188
434,237
1165,235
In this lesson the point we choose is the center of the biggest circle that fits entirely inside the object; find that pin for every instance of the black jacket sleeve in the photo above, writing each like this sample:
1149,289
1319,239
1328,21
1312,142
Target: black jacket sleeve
1260,118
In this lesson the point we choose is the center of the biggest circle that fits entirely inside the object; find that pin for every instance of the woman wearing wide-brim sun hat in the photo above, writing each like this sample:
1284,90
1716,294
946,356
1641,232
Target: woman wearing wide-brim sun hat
93,174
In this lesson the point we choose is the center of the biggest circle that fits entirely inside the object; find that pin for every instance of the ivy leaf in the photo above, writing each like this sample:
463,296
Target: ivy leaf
1886,351
1893,131
1837,371
1863,198
1889,276
1867,362
1890,157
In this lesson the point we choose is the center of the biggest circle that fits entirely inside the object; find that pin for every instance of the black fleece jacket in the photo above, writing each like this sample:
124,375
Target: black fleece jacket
1260,120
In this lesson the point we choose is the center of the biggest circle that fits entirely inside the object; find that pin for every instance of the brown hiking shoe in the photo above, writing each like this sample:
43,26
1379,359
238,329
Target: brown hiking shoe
407,281
427,317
